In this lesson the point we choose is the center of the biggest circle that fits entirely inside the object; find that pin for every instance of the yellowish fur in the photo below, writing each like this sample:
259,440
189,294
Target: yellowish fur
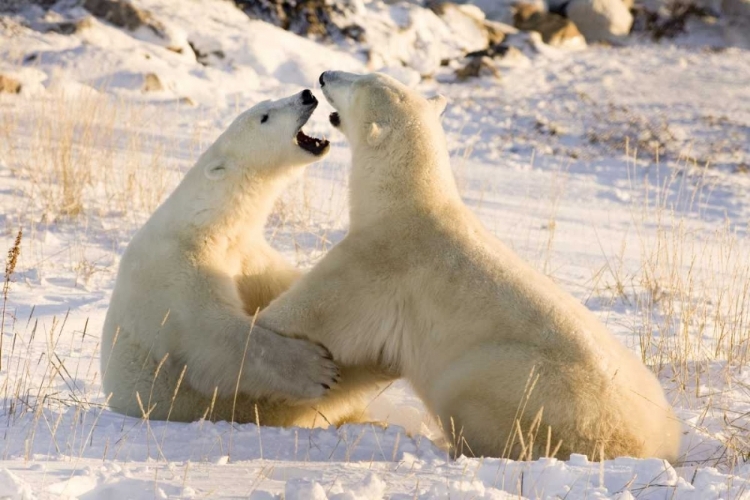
422,289
193,276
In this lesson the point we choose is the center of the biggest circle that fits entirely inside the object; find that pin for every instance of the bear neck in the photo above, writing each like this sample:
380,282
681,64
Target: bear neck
411,173
230,209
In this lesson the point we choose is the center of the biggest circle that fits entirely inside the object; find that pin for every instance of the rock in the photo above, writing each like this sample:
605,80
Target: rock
476,67
554,29
65,27
140,22
523,12
413,36
499,10
668,23
497,50
466,22
9,85
208,52
317,18
513,57
506,54
600,20
124,14
152,83
496,31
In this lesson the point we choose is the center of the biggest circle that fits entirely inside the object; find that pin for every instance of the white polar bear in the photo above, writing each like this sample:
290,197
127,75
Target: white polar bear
193,276
421,288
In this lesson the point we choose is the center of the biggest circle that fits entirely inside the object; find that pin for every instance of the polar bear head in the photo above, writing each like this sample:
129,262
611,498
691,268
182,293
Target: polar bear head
236,181
376,109
400,158
266,139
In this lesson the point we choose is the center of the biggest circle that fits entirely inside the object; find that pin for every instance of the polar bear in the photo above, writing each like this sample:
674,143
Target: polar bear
193,276
510,363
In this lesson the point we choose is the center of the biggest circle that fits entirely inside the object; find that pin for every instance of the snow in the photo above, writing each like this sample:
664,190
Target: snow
620,172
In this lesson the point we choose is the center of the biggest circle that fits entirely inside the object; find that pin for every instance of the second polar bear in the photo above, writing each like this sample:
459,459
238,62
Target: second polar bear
421,288
176,342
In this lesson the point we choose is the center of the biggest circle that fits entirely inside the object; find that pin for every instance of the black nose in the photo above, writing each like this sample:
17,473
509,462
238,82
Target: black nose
322,83
308,97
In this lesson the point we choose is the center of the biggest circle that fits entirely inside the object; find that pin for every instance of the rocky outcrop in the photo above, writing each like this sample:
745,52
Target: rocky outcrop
465,21
409,35
500,10
317,18
66,27
141,23
124,15
667,23
554,29
600,20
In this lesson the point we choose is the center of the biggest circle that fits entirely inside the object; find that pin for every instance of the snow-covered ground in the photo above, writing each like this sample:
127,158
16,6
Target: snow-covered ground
622,173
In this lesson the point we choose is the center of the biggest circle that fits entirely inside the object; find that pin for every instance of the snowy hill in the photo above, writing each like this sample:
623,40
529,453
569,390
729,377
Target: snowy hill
620,172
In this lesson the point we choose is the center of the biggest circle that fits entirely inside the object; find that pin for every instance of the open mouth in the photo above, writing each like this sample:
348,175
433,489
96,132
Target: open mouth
312,145
335,119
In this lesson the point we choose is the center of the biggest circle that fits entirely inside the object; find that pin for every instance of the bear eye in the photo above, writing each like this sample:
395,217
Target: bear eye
264,119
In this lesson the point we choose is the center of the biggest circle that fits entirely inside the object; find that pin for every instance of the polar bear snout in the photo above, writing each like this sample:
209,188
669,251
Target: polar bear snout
335,83
306,103
308,99
338,76
326,77
312,145
337,87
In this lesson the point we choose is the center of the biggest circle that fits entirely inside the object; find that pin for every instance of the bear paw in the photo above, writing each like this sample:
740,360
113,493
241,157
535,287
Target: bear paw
295,369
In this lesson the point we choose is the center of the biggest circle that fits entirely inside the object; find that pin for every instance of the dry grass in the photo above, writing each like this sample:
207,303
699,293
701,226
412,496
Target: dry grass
77,160
86,154
689,296
689,299
89,165
10,268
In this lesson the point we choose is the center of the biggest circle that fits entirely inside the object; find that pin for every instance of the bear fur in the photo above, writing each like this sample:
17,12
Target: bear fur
419,287
193,276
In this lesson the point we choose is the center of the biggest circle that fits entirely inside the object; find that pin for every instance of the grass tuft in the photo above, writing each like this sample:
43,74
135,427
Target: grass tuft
10,268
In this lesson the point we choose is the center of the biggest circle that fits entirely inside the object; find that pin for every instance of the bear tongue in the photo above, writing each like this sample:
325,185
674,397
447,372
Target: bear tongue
302,137
310,144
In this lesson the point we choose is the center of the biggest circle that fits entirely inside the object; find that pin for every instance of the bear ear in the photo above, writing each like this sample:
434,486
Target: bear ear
438,103
215,170
376,133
